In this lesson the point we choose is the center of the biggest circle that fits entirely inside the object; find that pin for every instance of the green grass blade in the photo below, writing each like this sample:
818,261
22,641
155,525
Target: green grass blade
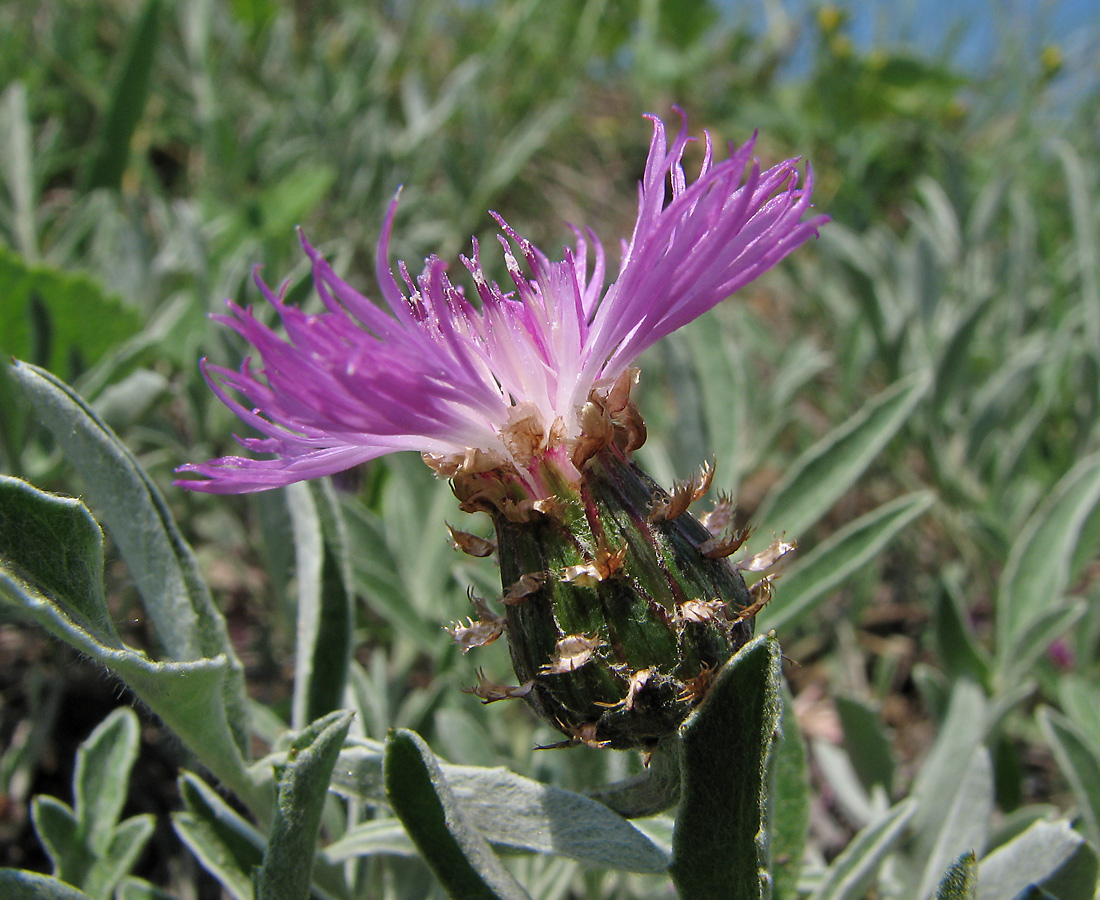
127,104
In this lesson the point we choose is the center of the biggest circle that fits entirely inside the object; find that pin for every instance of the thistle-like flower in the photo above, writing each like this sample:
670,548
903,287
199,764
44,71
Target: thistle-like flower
521,396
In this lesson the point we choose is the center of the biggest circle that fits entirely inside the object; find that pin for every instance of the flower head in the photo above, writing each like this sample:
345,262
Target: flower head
523,374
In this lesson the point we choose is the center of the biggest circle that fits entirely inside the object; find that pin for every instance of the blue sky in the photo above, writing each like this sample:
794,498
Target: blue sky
981,24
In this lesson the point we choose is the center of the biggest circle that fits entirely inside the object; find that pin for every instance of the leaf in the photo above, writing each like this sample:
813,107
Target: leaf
821,475
650,792
64,321
960,881
187,622
59,834
965,828
51,551
1079,698
940,777
18,157
458,855
128,97
827,566
509,810
325,616
516,812
380,836
16,884
720,846
226,845
102,776
1080,766
957,649
128,840
790,803
866,742
302,788
851,872
53,546
1028,859
139,889
1036,575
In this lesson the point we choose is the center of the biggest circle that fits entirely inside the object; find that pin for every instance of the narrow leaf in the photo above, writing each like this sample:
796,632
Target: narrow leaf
1079,764
966,825
720,846
128,96
1037,572
226,845
16,884
325,626
790,803
937,784
128,840
18,156
42,579
957,648
102,776
825,567
139,889
511,811
457,854
303,786
57,830
867,743
1028,859
381,836
187,622
851,872
516,812
821,475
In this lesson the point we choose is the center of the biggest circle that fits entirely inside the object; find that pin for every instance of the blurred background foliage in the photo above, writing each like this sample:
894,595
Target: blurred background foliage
154,152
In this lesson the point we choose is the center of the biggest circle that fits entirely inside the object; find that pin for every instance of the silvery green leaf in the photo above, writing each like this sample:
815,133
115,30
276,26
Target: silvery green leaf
821,475
851,872
59,834
303,781
966,826
139,889
1080,766
940,777
454,850
15,884
790,797
1039,566
51,567
521,813
379,836
720,848
812,577
187,623
128,840
1028,859
102,776
325,622
227,846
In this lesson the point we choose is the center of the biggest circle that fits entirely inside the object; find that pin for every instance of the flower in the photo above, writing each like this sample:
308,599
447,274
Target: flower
507,383
618,605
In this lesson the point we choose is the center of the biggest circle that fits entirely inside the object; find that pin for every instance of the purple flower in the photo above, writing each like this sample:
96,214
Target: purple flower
509,381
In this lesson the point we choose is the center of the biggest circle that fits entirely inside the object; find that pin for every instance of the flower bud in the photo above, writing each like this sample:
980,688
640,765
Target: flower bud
615,616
